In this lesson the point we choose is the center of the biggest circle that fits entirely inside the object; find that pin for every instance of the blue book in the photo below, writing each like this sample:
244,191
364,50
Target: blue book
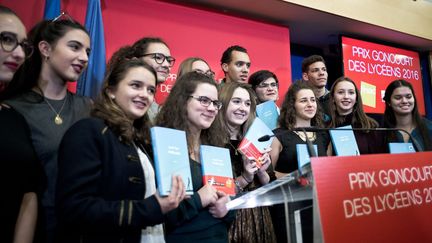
268,113
399,148
344,142
217,169
250,147
303,156
171,157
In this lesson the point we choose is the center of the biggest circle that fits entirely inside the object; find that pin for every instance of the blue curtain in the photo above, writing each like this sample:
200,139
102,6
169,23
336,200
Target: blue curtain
91,80
52,9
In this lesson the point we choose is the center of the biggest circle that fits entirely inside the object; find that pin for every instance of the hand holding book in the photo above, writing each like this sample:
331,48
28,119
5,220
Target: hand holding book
208,195
176,195
219,209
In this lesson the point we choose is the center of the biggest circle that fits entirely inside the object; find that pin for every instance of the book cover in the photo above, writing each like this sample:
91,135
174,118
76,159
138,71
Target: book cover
250,146
268,113
344,142
303,157
170,158
399,148
217,169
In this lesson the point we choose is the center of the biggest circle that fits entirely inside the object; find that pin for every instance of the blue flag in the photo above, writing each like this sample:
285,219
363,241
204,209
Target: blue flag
52,9
91,80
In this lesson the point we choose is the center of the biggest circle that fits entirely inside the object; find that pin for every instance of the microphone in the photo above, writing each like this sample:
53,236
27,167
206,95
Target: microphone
265,138
385,129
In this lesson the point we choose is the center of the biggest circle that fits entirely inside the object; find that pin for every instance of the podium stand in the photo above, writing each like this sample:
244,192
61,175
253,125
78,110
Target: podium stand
289,192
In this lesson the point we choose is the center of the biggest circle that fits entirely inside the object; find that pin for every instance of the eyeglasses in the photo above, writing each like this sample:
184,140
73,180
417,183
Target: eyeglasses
208,73
266,85
9,43
160,58
63,16
205,101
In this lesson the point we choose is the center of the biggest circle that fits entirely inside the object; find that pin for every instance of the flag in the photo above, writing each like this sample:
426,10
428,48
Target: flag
52,9
91,80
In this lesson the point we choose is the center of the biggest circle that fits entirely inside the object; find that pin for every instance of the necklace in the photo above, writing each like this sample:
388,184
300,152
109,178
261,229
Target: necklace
232,146
57,119
310,135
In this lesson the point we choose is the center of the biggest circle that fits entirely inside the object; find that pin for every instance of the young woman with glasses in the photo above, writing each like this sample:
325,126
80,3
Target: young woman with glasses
192,106
39,92
234,119
265,84
195,64
19,160
106,189
156,53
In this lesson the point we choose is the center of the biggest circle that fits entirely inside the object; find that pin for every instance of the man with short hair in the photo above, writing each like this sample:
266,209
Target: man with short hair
235,64
314,71
156,53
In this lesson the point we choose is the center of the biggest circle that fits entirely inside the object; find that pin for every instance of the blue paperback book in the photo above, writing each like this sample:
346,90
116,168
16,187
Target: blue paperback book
268,113
303,157
344,142
170,158
217,169
399,148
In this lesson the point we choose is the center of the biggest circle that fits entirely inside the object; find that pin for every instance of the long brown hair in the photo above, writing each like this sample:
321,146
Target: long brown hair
287,118
359,117
389,116
174,111
225,96
107,109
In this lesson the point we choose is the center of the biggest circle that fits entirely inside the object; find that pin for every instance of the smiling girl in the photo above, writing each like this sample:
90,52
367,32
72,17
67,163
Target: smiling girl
192,106
402,112
106,188
39,92
346,108
234,119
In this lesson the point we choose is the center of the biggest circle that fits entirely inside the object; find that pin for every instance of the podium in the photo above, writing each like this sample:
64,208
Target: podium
294,197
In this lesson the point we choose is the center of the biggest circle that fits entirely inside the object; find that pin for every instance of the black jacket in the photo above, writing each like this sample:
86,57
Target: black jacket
100,187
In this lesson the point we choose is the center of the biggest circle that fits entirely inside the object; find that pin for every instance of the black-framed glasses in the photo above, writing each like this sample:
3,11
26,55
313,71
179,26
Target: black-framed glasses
9,42
206,101
63,16
208,73
160,58
266,85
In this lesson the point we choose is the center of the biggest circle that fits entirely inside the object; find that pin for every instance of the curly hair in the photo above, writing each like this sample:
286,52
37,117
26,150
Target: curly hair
359,118
174,111
287,118
225,96
390,118
108,110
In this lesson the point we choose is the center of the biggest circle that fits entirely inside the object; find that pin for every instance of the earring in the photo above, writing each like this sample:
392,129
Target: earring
46,58
112,96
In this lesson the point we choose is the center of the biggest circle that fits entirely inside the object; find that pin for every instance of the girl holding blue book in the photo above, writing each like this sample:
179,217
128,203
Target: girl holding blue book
106,188
192,106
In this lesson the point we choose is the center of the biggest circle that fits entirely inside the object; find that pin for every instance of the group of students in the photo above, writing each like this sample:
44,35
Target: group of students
77,170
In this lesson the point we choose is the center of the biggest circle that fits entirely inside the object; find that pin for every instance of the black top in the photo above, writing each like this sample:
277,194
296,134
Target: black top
101,187
368,142
21,171
287,161
190,222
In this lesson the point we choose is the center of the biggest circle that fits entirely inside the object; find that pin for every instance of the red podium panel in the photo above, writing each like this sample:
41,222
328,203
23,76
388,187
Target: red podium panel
375,198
